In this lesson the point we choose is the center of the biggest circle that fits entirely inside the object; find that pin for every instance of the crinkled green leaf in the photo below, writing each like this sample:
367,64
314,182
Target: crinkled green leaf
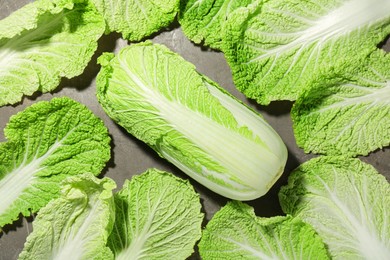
346,201
235,232
43,42
77,224
276,48
47,142
203,21
347,116
189,120
136,19
157,217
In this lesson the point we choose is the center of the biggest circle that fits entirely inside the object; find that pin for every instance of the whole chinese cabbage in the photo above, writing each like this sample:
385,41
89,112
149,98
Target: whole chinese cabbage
189,120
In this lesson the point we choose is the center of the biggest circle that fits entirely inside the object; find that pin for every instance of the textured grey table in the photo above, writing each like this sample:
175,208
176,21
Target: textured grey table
131,156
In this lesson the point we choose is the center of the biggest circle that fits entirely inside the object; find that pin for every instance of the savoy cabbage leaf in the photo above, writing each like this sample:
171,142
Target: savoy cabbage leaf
136,19
276,48
75,225
43,42
158,216
189,120
235,232
346,201
203,21
348,115
47,142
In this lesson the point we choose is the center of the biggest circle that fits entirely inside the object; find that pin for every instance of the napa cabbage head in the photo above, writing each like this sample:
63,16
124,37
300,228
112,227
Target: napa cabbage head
189,120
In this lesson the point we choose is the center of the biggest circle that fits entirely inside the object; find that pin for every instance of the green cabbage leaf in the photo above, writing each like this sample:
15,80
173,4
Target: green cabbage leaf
158,216
203,21
47,142
43,42
346,201
235,232
189,120
136,19
349,115
276,48
75,225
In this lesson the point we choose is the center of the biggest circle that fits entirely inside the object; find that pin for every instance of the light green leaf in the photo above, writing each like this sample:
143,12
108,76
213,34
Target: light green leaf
77,224
346,201
203,21
157,217
47,142
347,116
276,48
43,42
189,120
136,19
236,233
